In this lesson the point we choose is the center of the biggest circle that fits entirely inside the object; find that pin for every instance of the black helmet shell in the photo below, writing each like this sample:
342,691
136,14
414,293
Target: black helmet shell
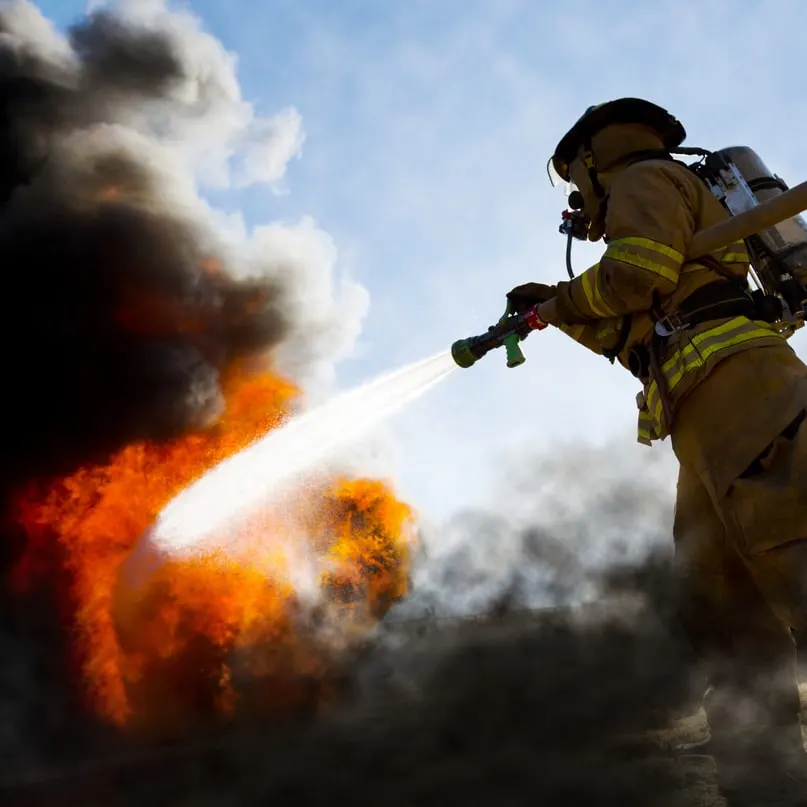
622,110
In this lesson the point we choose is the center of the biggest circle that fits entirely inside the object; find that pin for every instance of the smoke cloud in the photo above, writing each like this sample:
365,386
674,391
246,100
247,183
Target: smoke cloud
511,707
558,522
126,293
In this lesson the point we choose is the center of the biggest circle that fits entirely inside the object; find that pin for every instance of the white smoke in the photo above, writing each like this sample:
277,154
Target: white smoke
557,522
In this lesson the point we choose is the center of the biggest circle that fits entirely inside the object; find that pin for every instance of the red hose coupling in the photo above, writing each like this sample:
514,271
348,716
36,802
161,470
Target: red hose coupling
533,320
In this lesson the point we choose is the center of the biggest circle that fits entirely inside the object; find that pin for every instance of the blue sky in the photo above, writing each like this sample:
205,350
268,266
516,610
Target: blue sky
428,124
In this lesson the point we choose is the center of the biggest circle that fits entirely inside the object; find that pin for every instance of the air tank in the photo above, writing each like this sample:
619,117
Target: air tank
780,252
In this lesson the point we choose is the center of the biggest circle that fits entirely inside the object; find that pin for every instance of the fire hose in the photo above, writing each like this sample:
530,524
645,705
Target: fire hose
513,328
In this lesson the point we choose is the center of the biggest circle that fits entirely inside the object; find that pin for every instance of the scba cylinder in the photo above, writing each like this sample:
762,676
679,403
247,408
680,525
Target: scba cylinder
781,249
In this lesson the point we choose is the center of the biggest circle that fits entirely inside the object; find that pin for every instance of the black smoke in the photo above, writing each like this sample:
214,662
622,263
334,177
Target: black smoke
119,310
523,705
122,304
551,709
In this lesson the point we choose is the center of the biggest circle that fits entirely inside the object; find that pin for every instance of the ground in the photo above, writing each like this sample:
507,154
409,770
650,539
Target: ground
513,711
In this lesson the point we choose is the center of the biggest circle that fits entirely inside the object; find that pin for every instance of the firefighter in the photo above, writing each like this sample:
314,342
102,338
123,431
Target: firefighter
727,389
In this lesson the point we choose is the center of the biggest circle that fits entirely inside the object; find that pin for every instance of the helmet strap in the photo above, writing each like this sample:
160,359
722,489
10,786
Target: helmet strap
588,161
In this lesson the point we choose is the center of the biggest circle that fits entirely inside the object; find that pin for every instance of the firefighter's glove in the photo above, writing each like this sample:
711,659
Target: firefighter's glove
524,297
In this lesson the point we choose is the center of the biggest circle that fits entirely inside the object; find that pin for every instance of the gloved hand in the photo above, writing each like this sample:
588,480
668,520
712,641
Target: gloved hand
529,294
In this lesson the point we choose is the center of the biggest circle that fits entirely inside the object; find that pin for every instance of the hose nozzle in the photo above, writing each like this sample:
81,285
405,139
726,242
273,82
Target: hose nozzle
508,332
466,352
462,351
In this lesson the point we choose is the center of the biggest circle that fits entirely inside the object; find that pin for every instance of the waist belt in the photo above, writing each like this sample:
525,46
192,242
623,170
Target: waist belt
723,299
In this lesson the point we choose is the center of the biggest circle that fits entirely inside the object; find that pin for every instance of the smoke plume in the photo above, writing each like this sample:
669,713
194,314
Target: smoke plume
511,707
558,522
126,293
126,296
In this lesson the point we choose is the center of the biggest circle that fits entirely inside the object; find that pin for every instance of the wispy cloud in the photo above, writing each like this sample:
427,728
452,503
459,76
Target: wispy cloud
426,131
446,120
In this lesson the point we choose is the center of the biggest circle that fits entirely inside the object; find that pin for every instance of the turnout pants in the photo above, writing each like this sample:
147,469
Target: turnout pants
742,567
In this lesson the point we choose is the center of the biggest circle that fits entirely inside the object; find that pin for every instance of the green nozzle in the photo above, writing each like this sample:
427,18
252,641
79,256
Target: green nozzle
515,355
507,332
461,353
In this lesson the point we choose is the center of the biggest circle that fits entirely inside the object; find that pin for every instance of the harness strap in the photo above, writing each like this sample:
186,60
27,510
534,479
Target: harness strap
722,299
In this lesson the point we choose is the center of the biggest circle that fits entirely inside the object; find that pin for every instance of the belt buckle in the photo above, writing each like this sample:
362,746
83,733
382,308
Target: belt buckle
667,326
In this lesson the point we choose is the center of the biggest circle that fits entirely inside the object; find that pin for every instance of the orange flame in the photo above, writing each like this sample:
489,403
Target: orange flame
204,632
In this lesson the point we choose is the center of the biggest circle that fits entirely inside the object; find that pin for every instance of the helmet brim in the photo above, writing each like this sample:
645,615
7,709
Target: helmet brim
623,110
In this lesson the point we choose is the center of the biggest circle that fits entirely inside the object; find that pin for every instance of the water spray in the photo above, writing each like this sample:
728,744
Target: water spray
268,469
508,332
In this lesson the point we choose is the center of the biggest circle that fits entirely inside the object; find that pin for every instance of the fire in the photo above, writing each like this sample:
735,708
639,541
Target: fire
207,632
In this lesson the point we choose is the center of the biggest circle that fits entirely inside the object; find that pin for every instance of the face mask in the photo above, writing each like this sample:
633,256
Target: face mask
593,208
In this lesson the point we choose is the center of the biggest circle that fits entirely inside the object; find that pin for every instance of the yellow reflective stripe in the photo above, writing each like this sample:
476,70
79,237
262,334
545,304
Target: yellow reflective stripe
735,257
585,282
658,408
592,293
654,246
645,432
733,253
701,347
736,246
705,343
641,262
646,254
598,298
695,363
695,355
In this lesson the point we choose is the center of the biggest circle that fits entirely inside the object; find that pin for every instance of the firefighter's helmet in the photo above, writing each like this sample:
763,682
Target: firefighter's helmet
622,110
